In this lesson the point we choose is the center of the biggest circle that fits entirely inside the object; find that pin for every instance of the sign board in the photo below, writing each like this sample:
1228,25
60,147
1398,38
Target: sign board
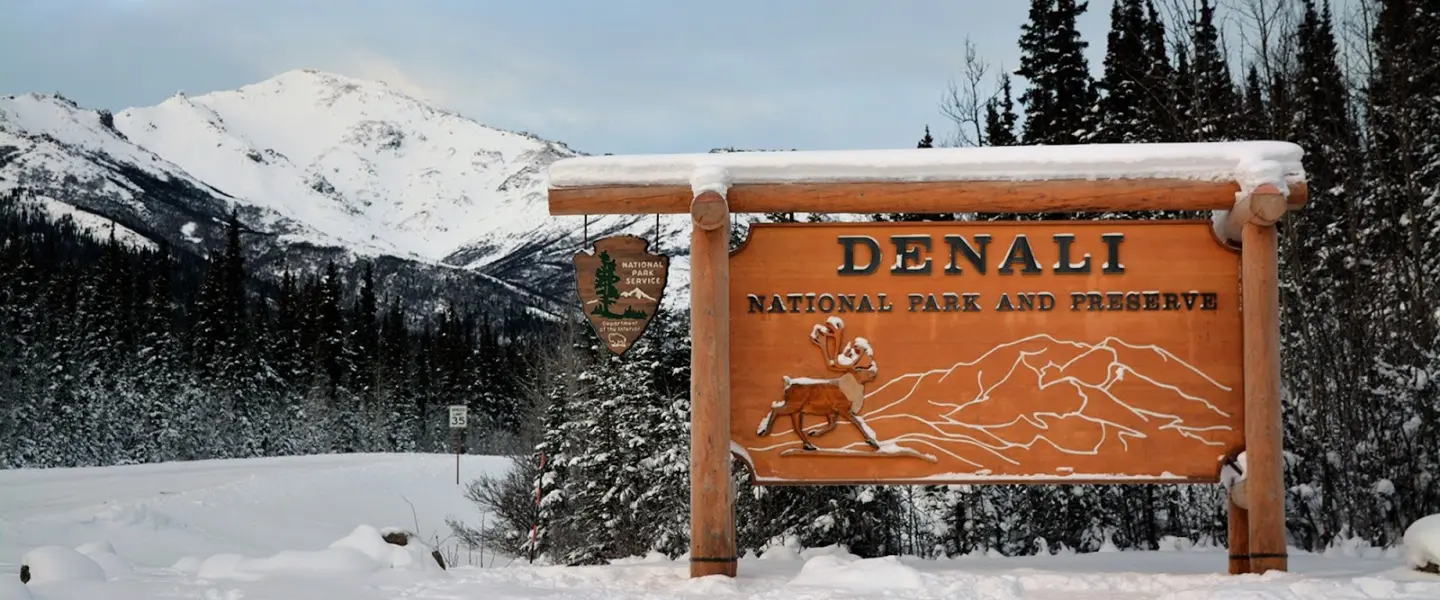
972,352
458,414
620,283
1041,351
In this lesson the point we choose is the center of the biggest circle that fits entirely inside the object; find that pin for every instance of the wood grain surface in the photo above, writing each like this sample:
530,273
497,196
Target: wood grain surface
1060,195
955,358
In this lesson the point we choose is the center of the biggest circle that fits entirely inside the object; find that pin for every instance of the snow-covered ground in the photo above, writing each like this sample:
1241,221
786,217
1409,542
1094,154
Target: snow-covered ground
179,530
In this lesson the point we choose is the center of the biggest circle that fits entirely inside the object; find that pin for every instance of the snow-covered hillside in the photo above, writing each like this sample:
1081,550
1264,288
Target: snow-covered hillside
303,527
357,160
321,167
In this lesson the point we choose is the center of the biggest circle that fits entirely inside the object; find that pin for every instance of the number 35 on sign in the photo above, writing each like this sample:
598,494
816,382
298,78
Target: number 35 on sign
457,416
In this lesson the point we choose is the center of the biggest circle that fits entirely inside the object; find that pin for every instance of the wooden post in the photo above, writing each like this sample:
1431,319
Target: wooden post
457,456
1239,530
1264,485
712,497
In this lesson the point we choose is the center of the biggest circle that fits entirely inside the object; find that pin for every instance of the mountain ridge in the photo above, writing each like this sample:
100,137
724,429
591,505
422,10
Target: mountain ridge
321,167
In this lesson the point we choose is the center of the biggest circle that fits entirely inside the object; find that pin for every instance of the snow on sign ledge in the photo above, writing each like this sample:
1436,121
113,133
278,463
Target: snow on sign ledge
1249,164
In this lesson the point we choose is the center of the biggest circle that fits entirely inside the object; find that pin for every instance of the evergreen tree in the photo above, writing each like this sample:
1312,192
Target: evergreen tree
1000,118
1253,120
1060,96
366,328
1162,117
1122,109
927,141
1397,221
1213,102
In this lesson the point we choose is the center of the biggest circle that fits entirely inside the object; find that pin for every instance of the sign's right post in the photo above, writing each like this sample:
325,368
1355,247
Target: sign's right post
1260,308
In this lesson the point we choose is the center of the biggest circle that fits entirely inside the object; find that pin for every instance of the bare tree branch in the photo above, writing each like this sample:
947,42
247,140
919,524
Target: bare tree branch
1265,29
1357,48
964,104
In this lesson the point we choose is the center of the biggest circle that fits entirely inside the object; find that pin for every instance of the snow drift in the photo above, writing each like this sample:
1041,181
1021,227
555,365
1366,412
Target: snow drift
296,528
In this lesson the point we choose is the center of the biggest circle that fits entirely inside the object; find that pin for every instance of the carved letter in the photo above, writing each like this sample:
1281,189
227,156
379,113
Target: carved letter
1113,266
849,241
1064,266
976,256
1020,251
907,253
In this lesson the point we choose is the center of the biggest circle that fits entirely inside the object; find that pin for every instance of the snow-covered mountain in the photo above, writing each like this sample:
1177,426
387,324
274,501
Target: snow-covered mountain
318,167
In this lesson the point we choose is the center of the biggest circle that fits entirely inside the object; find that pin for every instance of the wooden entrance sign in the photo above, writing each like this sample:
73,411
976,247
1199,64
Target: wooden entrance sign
962,352
976,352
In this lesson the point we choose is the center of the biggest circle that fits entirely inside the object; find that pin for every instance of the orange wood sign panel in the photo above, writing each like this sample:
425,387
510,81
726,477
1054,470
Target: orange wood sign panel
970,352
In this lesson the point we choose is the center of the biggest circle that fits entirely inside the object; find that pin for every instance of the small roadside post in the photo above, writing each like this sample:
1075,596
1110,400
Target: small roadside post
458,414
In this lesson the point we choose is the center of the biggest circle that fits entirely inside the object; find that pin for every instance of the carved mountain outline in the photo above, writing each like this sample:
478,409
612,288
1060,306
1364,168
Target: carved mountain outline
1003,403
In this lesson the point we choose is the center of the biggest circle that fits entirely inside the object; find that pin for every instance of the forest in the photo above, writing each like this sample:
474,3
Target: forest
118,354
115,354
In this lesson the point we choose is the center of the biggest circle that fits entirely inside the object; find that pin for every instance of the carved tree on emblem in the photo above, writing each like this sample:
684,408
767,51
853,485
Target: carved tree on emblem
605,291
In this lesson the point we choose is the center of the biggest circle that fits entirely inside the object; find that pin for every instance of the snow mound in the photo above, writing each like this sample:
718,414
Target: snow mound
363,551
12,589
133,515
833,571
188,564
1422,543
104,555
649,558
49,564
790,550
711,586
1172,543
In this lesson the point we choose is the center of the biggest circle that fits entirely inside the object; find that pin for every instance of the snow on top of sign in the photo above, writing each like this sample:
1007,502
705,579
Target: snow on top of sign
710,179
1249,164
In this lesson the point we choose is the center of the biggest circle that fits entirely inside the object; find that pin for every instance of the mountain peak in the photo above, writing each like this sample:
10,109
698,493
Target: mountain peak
371,168
316,162
300,80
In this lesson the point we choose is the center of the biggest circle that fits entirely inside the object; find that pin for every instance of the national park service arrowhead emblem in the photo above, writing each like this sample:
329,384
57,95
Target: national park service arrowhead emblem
621,283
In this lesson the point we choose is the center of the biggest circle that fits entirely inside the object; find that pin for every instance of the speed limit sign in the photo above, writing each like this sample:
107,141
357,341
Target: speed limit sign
457,416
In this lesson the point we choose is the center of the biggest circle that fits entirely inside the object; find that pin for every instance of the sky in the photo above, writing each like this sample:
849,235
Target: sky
616,76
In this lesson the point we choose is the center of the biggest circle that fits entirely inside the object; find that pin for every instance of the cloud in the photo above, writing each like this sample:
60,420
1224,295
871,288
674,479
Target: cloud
642,75
367,65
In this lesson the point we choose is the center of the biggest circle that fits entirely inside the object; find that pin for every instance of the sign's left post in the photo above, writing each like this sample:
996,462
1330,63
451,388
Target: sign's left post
712,497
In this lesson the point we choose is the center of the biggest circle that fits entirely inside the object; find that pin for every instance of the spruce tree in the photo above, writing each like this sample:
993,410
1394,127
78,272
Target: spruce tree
1061,97
926,141
1213,102
1061,94
1122,108
1000,118
1398,218
1162,114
